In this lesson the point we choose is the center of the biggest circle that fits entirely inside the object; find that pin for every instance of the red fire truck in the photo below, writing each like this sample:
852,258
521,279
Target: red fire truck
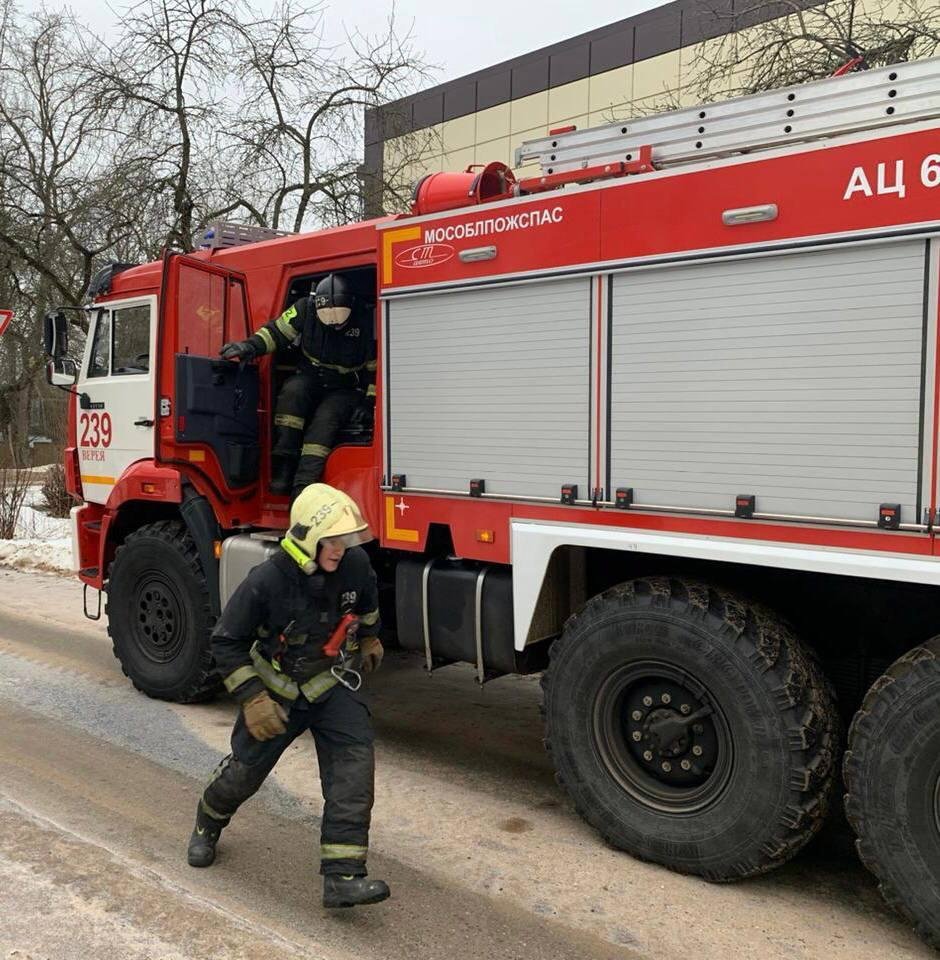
661,421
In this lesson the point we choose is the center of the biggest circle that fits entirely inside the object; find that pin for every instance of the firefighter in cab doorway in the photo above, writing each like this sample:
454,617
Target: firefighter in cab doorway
334,378
291,646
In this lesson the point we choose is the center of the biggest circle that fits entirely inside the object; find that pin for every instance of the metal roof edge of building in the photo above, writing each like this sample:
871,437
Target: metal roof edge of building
702,25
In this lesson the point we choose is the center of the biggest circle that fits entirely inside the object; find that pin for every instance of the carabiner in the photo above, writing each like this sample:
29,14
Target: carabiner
340,673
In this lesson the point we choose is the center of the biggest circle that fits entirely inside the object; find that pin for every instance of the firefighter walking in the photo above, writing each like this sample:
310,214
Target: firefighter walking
335,376
287,648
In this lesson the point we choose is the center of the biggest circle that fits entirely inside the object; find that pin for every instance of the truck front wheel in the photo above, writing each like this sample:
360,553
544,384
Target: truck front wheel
159,618
691,728
892,779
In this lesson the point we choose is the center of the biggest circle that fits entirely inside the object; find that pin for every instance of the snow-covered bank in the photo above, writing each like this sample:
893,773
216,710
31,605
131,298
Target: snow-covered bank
41,542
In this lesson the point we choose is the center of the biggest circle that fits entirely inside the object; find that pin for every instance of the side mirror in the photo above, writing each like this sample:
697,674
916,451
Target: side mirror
61,372
55,335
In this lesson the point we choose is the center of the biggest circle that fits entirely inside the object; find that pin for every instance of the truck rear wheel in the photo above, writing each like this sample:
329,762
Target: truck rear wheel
892,780
691,728
159,618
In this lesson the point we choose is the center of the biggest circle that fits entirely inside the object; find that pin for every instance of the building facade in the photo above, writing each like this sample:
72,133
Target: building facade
612,73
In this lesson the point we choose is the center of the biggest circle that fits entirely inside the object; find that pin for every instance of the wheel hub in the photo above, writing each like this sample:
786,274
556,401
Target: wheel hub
159,627
667,731
662,736
677,743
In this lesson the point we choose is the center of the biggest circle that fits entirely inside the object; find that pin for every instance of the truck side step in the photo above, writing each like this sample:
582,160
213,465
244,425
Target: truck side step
97,614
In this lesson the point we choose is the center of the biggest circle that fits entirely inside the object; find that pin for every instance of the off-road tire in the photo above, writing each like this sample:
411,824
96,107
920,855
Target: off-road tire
179,667
892,780
777,709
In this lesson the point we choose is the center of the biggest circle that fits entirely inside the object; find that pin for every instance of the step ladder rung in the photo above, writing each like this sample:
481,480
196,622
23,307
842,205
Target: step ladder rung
902,93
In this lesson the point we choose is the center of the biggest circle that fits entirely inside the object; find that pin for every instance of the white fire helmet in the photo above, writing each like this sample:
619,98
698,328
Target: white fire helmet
320,513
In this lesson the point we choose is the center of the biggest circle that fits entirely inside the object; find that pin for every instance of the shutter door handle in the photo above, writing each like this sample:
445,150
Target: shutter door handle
143,422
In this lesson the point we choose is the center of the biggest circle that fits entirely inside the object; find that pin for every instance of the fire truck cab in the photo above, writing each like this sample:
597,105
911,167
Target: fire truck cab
662,421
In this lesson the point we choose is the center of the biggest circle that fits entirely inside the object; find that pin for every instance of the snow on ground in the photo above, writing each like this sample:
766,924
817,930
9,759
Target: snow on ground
41,542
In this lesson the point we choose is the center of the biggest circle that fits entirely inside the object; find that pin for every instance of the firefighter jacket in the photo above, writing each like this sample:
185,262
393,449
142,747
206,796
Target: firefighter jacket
272,630
341,357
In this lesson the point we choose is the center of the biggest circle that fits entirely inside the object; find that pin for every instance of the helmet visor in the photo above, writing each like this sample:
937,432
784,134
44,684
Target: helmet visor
333,316
348,539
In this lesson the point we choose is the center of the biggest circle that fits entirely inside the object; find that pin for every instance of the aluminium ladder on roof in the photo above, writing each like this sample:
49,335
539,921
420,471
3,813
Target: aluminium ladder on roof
901,93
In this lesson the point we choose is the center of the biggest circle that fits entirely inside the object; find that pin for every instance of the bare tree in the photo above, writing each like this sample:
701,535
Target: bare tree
404,160
301,118
803,42
247,115
199,109
52,222
14,486
162,81
66,203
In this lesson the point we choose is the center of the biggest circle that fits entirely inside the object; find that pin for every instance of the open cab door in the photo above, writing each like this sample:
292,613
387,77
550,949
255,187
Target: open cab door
208,406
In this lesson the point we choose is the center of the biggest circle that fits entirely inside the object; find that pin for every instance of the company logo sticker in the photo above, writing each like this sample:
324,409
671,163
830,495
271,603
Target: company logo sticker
208,314
425,255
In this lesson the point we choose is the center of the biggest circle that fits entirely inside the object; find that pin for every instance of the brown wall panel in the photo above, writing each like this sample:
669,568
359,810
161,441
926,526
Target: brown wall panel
530,77
395,119
748,13
459,100
705,21
614,50
657,35
373,126
371,178
428,110
493,89
569,65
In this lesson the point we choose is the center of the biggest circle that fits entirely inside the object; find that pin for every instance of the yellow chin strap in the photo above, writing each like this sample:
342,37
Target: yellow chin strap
302,559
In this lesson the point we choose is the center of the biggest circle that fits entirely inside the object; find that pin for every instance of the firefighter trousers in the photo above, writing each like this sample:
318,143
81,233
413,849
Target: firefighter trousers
307,418
342,731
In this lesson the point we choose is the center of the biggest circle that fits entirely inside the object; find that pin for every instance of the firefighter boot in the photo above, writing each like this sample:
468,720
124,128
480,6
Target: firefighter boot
205,836
282,473
347,891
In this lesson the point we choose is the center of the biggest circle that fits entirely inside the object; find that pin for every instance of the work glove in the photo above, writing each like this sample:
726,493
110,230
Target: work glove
264,718
371,652
239,350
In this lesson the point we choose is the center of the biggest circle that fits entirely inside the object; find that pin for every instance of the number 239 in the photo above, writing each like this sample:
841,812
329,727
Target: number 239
96,430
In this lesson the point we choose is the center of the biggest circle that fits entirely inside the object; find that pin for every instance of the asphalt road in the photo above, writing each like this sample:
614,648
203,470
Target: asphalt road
98,785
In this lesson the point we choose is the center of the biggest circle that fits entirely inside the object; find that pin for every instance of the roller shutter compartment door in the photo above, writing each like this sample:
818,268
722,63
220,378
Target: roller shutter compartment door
491,383
795,377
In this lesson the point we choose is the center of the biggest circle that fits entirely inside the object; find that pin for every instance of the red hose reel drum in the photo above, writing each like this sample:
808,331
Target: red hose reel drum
477,184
